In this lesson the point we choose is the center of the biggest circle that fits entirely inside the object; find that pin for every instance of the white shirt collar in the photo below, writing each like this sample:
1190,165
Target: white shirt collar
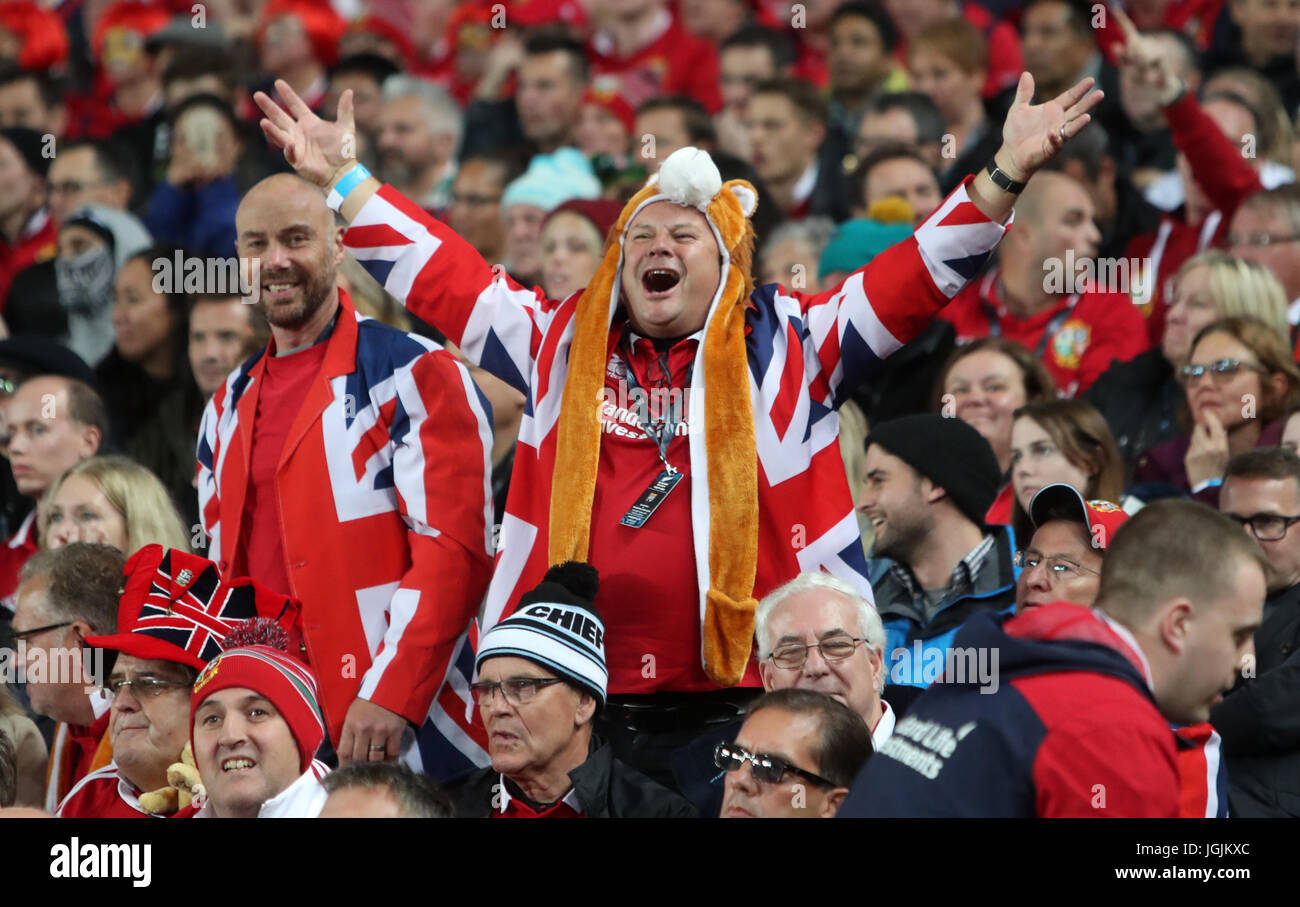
100,701
884,728
571,798
804,187
1293,311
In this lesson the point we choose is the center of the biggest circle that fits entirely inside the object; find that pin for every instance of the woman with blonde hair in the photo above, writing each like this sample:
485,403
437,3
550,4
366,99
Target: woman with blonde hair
1240,382
1141,398
113,500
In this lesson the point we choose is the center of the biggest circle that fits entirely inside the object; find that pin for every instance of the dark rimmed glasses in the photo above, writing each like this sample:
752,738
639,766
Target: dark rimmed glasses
1267,527
770,769
517,690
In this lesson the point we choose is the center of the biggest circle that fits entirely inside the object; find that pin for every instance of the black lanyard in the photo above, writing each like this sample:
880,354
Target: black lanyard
663,435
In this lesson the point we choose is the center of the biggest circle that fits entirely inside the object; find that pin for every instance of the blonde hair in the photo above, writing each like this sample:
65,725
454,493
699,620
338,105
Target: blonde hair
134,492
1241,288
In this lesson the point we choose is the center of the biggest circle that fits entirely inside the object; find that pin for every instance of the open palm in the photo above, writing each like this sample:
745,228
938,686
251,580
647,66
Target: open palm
1033,134
317,149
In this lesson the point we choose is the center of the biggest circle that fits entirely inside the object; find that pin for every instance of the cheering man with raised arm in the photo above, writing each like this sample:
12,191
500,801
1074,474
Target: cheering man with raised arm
681,429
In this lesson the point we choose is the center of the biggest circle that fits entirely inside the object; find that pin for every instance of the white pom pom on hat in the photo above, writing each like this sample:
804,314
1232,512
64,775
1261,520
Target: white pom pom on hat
689,177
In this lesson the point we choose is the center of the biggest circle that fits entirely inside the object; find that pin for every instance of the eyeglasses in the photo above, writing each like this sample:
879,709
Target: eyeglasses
769,769
1057,567
1267,527
834,648
1260,240
144,687
1220,371
517,690
32,632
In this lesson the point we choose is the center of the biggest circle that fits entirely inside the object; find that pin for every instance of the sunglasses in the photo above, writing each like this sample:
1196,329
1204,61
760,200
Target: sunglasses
770,769
1220,371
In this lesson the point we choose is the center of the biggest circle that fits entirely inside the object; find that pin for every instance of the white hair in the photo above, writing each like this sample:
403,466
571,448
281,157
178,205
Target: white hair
869,624
442,111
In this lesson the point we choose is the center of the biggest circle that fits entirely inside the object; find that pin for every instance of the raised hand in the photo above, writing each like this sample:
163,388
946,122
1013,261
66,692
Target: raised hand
1152,73
1208,454
1034,133
320,151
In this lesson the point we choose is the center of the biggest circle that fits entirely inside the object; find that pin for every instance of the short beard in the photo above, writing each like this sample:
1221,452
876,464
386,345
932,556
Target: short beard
904,538
393,169
315,292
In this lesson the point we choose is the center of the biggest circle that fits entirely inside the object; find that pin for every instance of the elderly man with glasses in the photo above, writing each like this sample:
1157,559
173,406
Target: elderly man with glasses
173,616
64,597
541,680
803,750
1260,719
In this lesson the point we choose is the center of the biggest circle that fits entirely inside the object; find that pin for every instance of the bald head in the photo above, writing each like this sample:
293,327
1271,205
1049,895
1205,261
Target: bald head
286,190
285,226
1054,216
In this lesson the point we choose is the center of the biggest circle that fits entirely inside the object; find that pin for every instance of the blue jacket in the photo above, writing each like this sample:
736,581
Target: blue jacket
914,649
202,221
1062,725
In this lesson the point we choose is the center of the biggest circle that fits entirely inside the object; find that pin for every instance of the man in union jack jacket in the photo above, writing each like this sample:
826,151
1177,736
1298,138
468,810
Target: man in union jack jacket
671,369
347,465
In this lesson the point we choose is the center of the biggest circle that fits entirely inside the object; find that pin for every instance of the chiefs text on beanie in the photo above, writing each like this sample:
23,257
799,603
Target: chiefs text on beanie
557,626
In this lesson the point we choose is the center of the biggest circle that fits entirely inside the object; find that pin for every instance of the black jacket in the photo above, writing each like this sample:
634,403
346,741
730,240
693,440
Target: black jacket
1140,400
1260,720
606,788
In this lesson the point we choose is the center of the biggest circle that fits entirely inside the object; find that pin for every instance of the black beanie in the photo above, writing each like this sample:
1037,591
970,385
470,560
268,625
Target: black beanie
30,146
950,454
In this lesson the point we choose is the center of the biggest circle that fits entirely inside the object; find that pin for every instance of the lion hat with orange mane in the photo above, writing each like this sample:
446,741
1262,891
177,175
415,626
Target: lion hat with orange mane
724,469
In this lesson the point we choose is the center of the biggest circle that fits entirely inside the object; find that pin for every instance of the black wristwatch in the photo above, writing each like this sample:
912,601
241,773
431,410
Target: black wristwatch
1002,181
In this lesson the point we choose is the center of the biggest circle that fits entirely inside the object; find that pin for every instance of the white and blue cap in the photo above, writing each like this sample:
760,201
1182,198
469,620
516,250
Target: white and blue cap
557,627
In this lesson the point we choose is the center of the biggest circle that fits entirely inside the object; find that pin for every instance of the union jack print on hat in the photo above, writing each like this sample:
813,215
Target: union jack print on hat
175,607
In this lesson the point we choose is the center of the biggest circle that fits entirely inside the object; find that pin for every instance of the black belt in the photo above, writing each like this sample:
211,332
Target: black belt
658,712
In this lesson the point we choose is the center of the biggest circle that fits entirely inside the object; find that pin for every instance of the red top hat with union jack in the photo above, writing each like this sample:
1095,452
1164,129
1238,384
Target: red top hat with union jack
175,606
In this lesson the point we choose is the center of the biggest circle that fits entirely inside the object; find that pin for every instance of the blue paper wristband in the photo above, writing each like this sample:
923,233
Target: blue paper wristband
353,178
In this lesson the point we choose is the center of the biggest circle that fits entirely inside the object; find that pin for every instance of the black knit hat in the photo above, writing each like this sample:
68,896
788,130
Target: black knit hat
30,145
950,454
557,626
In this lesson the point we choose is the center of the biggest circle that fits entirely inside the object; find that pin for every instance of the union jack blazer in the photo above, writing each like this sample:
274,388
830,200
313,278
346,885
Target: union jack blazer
386,510
806,353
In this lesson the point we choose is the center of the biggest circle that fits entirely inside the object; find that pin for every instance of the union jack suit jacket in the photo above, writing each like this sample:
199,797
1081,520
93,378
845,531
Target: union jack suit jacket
805,353
386,509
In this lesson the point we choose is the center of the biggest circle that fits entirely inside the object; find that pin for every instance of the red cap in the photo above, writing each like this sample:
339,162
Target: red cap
323,26
1063,502
132,15
614,103
41,33
176,607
